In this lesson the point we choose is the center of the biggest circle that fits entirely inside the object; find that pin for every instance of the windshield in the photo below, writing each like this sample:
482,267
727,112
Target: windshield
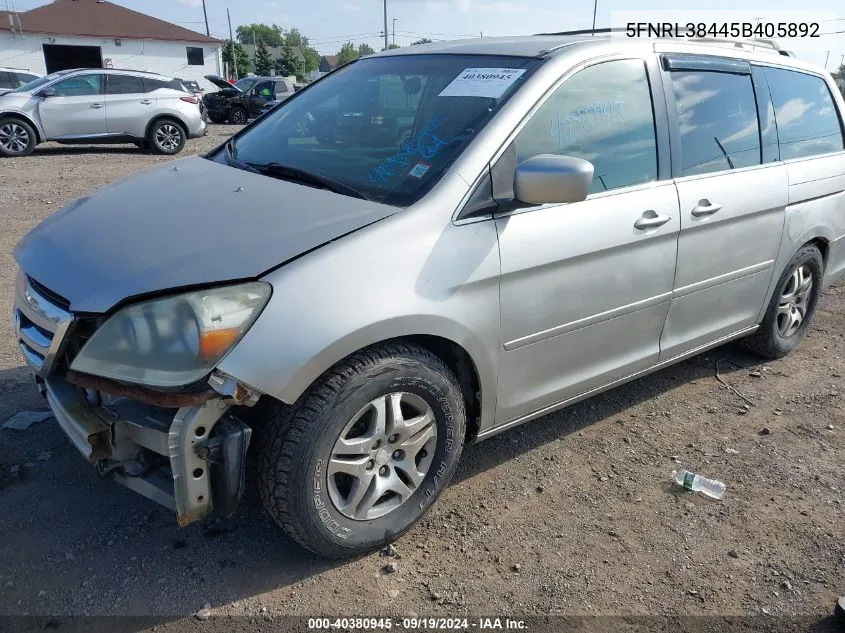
35,84
385,127
245,84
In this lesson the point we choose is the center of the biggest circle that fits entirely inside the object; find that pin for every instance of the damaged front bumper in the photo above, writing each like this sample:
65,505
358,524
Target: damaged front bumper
191,459
184,450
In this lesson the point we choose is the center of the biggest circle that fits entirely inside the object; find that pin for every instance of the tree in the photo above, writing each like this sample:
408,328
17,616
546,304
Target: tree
365,49
244,62
839,73
270,34
295,39
263,60
390,47
347,54
290,63
424,40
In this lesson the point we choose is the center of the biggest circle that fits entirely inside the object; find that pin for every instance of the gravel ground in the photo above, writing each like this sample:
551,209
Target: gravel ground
572,514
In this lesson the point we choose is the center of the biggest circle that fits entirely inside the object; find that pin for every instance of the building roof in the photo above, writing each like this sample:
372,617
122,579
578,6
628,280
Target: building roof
99,18
331,60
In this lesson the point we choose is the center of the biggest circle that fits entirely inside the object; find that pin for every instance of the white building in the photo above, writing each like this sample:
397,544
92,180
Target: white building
99,34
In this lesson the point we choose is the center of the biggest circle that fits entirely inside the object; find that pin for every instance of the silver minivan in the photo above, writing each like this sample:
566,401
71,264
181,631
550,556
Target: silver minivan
99,106
553,216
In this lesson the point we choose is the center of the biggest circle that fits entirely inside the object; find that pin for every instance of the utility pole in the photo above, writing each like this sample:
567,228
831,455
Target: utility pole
826,57
595,8
254,49
394,31
232,42
386,42
205,15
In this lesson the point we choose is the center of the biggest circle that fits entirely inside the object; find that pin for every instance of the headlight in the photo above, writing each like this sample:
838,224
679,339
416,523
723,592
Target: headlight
172,341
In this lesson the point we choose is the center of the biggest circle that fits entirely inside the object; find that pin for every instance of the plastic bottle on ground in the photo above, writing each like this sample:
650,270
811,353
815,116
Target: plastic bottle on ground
697,483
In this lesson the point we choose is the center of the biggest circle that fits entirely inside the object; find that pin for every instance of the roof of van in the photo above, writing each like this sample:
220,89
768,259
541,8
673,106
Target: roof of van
543,45
524,46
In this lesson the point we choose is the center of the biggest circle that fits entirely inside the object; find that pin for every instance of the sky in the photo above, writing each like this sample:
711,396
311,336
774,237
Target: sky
330,23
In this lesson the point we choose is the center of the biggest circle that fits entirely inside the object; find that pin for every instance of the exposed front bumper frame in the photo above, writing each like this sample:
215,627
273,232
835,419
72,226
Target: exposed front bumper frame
114,435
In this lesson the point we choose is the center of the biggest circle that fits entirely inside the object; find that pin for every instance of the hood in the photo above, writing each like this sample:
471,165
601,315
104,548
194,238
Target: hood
222,83
187,223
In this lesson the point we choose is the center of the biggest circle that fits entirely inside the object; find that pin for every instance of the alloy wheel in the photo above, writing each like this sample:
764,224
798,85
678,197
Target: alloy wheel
239,117
794,300
168,137
382,456
13,138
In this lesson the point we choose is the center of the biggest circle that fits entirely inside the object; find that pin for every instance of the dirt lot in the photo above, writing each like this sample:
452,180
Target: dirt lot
572,514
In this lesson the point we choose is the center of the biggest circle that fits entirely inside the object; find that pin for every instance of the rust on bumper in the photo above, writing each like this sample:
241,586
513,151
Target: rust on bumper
142,394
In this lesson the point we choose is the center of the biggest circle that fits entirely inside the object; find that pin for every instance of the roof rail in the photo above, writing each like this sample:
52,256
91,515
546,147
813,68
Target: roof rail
753,44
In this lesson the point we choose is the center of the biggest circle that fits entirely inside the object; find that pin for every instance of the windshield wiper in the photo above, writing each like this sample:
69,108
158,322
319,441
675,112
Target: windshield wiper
232,160
294,174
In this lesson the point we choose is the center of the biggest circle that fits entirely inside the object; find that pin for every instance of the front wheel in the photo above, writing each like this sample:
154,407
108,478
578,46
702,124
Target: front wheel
17,138
792,306
238,116
364,453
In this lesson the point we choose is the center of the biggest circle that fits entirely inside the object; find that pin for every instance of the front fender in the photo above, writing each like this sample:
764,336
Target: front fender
26,117
410,274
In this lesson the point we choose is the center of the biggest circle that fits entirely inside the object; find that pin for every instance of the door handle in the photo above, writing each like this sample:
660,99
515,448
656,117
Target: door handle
651,220
96,106
705,207
146,102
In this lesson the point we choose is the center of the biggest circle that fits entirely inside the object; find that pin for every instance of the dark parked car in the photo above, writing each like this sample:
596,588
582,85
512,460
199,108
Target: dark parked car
246,99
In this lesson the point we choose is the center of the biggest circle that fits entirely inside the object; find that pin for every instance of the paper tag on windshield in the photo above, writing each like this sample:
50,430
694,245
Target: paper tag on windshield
482,82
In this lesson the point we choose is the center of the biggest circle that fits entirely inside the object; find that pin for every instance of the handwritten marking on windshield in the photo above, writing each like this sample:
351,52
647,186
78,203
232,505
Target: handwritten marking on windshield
425,144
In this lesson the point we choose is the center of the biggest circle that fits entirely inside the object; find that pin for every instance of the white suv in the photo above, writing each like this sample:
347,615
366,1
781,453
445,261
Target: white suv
11,78
99,106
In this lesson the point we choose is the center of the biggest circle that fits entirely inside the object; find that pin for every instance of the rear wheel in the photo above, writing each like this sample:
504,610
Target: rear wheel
792,306
17,138
166,137
364,453
238,116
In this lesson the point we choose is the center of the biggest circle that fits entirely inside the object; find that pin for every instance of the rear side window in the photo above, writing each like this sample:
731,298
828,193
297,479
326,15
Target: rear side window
717,115
124,84
807,121
7,81
602,114
154,84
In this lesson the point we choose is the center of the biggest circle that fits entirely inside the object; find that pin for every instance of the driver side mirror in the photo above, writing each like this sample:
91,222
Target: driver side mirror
553,179
47,92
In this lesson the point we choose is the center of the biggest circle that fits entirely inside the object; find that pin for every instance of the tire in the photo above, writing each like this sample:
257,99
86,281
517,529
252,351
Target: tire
778,333
17,137
238,116
315,506
166,136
